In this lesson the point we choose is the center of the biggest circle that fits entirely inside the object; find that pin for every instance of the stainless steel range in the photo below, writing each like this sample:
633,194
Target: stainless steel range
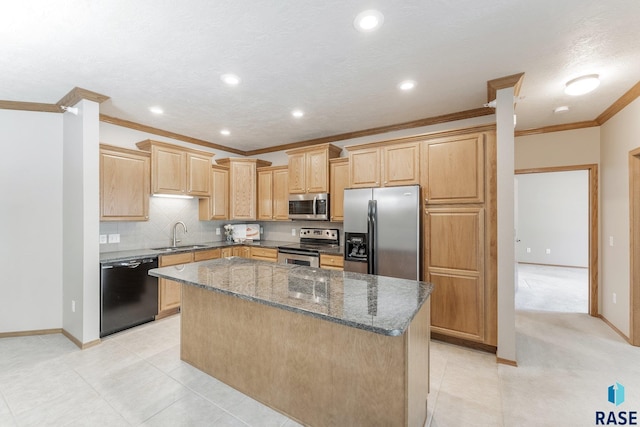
312,242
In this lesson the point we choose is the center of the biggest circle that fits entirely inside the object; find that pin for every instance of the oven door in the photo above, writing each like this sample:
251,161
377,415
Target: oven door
295,257
309,206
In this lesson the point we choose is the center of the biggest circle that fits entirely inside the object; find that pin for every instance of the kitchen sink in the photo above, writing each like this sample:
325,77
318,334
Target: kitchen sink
179,248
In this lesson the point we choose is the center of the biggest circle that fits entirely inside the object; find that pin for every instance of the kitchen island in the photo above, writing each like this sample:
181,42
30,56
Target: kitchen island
323,347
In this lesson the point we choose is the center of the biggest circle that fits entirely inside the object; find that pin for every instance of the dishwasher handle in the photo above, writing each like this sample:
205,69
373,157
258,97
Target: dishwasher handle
134,263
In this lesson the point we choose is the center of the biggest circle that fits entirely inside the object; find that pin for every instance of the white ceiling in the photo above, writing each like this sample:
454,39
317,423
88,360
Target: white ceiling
307,54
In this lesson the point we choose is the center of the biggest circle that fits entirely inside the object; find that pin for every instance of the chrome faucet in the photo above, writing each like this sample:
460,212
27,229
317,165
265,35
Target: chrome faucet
175,229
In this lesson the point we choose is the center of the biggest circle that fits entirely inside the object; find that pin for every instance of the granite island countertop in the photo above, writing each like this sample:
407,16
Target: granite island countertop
127,255
379,304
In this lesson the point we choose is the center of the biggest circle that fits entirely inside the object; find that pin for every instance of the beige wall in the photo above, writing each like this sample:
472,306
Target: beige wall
619,135
570,147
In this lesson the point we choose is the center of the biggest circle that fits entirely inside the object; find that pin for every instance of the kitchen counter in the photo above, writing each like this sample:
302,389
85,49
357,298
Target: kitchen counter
151,253
383,305
323,347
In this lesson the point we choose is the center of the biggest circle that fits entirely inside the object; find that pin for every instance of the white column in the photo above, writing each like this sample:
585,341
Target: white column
81,226
506,223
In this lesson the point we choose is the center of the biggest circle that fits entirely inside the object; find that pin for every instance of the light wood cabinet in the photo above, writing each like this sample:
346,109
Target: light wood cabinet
178,170
124,184
309,168
242,186
455,169
459,192
332,262
226,252
339,180
273,193
241,251
384,165
264,254
216,206
206,254
169,292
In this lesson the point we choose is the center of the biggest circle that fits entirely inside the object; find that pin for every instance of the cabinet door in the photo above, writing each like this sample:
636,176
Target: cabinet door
169,292
264,254
281,195
339,172
331,262
296,168
198,175
168,174
242,190
206,254
455,170
241,251
317,171
216,206
365,168
454,261
401,164
226,252
265,195
124,186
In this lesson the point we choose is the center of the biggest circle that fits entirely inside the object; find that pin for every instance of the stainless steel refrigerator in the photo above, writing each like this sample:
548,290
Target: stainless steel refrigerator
382,231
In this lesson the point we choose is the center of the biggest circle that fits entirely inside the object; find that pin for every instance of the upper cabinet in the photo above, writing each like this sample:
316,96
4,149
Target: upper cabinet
309,168
273,193
242,186
177,170
376,165
339,173
454,169
124,184
216,206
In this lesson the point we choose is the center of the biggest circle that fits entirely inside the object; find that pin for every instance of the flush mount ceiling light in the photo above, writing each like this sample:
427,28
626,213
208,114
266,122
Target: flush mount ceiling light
582,85
230,79
407,85
225,132
562,109
156,110
369,20
297,113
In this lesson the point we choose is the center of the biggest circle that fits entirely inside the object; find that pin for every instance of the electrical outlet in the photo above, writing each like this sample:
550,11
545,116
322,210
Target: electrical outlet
261,230
610,240
114,238
528,250
73,306
614,298
218,231
103,239
548,251
293,231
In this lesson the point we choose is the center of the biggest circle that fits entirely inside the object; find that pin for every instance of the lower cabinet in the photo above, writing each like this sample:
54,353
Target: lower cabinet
331,262
241,251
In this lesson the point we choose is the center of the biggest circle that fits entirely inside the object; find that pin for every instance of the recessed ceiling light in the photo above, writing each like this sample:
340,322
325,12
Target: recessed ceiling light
225,132
562,109
369,20
582,85
297,113
407,85
156,110
230,79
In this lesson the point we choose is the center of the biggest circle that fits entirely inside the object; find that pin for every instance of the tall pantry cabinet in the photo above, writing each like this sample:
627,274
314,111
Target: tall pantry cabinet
458,181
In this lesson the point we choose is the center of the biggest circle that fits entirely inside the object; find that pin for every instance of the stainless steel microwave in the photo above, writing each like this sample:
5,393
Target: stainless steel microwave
309,206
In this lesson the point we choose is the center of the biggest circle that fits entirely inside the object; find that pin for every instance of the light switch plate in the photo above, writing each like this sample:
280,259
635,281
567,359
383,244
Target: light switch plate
217,231
114,238
293,231
103,239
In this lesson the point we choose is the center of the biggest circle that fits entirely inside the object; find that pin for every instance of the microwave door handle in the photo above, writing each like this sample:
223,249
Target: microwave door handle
315,205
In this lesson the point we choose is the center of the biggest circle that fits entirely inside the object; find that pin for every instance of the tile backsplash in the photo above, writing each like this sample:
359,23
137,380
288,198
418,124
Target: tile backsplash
165,212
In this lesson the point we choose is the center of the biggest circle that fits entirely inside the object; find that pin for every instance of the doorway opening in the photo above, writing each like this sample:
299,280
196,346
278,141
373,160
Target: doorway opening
558,271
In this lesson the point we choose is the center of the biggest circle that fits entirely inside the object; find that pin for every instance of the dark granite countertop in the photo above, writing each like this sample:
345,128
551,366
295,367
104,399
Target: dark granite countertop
378,304
151,253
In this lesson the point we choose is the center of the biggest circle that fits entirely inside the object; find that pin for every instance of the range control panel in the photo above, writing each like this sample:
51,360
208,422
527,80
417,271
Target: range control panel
309,234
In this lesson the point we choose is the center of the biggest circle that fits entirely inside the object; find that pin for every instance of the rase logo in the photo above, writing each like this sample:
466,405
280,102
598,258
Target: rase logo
615,395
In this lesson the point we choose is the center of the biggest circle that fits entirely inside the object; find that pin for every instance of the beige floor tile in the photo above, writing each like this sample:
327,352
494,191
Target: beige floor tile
206,386
256,414
190,411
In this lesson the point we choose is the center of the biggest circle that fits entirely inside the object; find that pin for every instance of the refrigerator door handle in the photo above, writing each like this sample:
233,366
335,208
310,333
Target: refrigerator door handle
315,205
371,229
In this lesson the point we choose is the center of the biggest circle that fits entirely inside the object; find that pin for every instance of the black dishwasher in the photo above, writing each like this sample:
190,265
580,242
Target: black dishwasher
128,295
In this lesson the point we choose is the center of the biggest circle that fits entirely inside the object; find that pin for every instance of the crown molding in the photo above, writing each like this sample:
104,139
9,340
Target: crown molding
77,94
557,128
514,80
620,103
30,106
161,132
467,114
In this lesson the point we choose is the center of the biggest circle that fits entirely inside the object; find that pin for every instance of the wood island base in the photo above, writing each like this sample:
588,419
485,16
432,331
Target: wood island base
317,372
